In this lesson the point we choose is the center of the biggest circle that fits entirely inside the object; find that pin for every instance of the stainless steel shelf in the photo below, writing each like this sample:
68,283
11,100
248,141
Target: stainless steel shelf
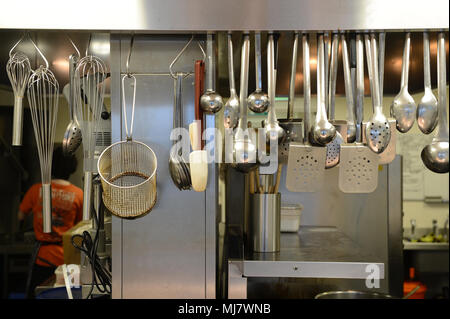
424,246
313,252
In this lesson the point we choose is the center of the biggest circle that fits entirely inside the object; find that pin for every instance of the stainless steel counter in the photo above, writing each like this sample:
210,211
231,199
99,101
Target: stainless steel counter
313,252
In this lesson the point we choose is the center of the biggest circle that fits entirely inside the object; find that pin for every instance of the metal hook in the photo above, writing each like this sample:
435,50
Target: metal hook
129,56
181,52
39,51
15,45
73,44
89,43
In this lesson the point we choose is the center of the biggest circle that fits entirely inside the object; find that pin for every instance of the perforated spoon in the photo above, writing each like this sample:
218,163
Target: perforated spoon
403,108
258,101
378,131
427,110
322,131
435,155
231,111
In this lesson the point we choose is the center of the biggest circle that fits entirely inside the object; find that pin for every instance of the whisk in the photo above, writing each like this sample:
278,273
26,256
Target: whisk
43,97
89,90
18,69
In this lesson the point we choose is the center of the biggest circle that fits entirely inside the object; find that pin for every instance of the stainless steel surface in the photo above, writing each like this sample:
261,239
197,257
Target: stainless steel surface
244,149
210,101
306,88
407,245
72,136
435,155
334,147
43,95
237,283
273,130
351,126
427,109
231,110
170,15
146,253
378,133
258,101
403,108
322,132
313,252
359,86
18,69
89,90
265,221
351,294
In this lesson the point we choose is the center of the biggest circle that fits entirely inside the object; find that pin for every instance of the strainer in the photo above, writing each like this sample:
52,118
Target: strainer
128,171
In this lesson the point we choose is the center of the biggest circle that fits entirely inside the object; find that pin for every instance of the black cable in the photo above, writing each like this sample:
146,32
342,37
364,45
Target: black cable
101,276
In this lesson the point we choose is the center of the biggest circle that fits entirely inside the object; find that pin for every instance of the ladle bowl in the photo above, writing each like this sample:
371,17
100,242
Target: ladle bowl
258,101
435,156
211,102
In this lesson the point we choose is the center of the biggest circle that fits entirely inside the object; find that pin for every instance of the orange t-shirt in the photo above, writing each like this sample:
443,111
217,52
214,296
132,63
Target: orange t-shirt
67,210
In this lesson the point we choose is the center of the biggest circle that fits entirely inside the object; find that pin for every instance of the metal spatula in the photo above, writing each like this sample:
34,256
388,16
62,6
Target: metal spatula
305,169
358,171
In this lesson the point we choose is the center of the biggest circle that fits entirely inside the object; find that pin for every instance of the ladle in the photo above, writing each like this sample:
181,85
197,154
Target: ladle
427,110
210,102
403,108
435,155
231,111
273,129
244,150
322,132
258,101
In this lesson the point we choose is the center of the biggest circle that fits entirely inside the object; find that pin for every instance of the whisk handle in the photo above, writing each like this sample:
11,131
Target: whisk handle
47,208
17,121
87,195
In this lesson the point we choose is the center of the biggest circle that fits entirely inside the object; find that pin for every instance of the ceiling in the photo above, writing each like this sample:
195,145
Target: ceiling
57,48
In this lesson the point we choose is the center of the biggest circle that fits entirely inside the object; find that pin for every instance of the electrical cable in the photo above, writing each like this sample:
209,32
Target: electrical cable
101,276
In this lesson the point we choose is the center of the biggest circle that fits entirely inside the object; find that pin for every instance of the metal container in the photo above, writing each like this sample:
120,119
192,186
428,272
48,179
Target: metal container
265,212
351,294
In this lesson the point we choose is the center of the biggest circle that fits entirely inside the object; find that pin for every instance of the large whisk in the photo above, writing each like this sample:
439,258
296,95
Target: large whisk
43,97
19,70
89,90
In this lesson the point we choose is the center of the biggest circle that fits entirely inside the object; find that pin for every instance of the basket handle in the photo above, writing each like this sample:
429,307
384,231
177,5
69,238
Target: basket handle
129,134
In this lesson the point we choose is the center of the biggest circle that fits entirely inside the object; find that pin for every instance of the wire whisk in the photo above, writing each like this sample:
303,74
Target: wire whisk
43,96
19,70
89,91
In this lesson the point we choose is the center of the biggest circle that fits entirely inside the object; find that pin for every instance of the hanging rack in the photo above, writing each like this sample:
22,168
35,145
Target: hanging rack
171,72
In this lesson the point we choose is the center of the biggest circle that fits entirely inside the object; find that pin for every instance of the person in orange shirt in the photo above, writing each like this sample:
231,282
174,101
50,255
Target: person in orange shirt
67,206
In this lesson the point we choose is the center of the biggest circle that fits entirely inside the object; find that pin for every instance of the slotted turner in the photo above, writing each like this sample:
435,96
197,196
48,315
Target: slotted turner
305,169
358,170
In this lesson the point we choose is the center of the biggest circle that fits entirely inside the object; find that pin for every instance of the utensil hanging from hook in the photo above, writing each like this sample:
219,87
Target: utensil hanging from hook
43,97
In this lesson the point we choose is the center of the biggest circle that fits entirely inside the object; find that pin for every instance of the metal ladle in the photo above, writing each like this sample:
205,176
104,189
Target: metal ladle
322,132
210,101
244,150
378,132
403,108
273,129
258,101
435,155
427,110
231,111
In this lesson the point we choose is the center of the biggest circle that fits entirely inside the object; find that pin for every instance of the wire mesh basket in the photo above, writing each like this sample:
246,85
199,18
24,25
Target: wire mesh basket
128,174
